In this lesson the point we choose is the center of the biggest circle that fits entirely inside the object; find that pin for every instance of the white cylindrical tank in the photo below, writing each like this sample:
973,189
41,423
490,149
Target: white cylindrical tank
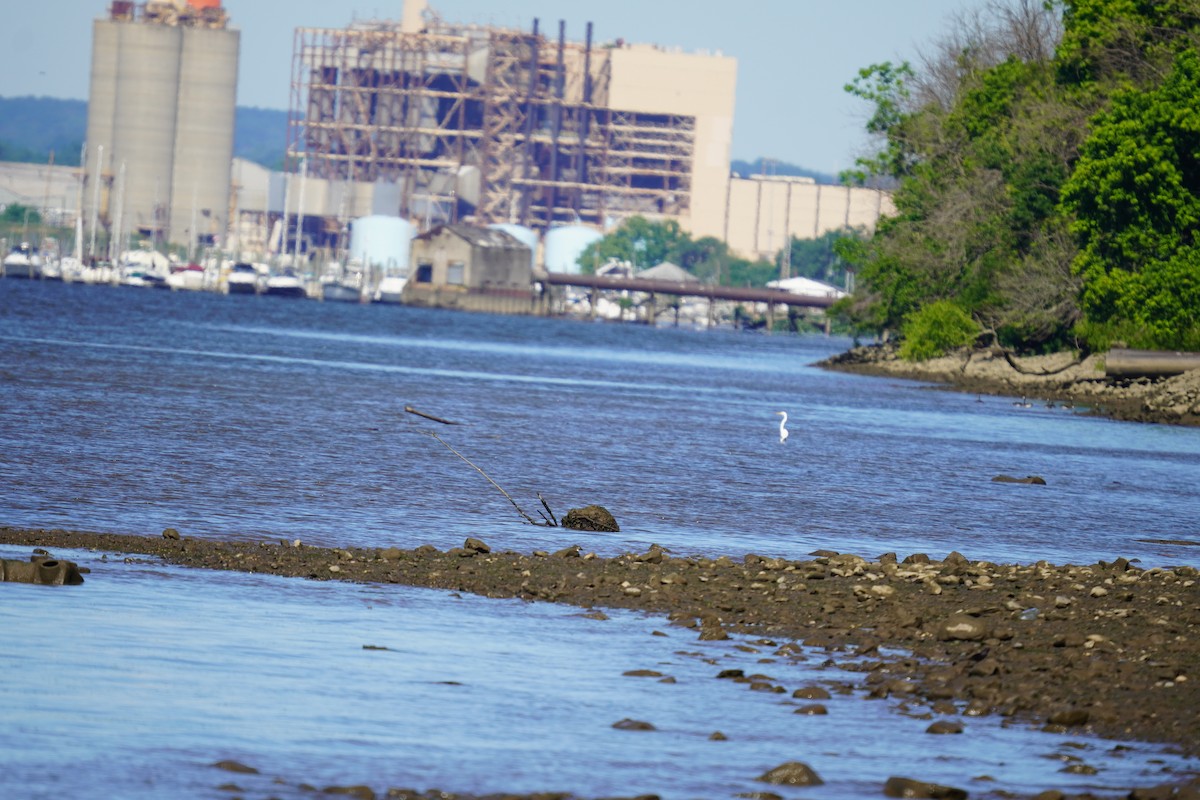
565,244
382,242
524,235
207,101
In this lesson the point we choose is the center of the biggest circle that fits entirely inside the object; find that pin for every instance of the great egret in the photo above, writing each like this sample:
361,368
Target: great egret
783,431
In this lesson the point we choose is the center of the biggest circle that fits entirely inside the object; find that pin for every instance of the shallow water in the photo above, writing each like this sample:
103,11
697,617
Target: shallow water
163,671
131,411
257,417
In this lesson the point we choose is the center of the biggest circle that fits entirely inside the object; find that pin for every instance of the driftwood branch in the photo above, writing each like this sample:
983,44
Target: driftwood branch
412,410
528,518
1012,362
553,520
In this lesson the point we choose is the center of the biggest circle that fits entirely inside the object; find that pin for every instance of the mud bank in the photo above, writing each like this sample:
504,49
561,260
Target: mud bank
1052,380
1107,648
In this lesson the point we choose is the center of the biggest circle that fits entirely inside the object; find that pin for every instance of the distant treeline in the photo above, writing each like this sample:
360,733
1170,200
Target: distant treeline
30,127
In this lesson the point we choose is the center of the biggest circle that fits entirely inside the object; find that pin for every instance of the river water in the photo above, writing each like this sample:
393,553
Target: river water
262,418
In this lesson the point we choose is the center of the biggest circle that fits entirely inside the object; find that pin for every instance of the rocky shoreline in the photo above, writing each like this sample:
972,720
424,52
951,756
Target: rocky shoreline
1108,648
1053,380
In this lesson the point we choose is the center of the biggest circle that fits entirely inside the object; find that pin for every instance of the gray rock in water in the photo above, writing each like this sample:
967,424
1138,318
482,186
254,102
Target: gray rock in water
793,773
633,725
907,787
591,518
1031,479
235,766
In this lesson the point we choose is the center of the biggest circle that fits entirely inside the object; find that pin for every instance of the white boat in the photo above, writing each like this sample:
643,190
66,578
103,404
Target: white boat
340,292
23,262
342,285
285,284
52,269
243,278
188,276
143,277
391,288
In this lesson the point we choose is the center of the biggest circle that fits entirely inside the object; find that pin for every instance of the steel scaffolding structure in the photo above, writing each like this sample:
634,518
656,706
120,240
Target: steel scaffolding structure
491,124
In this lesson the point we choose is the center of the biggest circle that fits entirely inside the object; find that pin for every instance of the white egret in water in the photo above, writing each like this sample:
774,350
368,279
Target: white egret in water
783,431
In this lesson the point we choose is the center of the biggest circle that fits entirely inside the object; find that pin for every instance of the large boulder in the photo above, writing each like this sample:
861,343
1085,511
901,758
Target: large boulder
591,518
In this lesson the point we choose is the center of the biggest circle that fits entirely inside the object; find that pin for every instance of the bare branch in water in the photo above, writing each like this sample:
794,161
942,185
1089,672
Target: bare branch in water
412,410
553,519
528,518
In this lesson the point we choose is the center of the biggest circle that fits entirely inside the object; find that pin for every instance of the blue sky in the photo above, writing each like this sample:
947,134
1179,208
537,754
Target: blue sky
794,56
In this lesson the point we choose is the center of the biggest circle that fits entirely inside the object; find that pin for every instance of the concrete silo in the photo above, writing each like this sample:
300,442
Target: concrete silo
161,108
204,132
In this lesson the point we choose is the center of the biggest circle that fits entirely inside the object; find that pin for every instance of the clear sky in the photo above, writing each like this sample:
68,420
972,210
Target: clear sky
794,56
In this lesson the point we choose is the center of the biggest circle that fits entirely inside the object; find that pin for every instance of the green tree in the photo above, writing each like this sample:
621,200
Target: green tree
19,214
936,329
1134,199
642,242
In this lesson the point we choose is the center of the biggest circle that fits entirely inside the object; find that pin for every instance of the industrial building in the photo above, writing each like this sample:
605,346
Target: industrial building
449,122
433,122
764,210
161,122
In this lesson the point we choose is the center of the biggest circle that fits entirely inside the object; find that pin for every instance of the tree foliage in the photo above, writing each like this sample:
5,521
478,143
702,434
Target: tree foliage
1135,208
935,330
645,243
1047,160
17,213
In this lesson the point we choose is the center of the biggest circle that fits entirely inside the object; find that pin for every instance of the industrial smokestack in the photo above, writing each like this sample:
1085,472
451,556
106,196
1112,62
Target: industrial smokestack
413,18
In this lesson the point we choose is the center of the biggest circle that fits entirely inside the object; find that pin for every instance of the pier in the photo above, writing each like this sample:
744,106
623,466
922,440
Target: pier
743,294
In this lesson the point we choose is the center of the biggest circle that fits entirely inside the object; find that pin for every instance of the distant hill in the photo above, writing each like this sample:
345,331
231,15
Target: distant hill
30,127
764,166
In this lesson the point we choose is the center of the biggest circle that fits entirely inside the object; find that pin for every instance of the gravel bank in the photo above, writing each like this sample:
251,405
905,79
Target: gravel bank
1042,379
1105,648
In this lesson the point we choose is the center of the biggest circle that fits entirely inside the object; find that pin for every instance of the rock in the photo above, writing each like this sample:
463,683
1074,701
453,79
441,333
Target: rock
171,533
360,792
793,773
907,787
945,726
717,736
391,553
633,725
811,693
812,709
1030,479
476,545
574,551
962,627
1070,717
40,570
591,518
235,766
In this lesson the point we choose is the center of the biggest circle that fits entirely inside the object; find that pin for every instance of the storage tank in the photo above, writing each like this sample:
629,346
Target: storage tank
383,242
565,244
524,235
102,114
207,100
144,119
